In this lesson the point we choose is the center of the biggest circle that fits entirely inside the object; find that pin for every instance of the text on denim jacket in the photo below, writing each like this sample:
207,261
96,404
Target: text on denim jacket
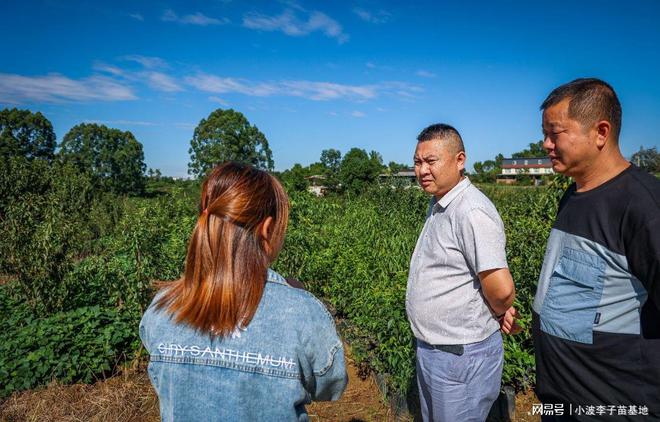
227,355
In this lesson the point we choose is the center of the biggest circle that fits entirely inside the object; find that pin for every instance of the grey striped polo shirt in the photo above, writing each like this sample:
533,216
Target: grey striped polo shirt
463,235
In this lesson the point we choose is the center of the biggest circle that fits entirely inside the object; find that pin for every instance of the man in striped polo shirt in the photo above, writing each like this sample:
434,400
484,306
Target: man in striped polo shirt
459,285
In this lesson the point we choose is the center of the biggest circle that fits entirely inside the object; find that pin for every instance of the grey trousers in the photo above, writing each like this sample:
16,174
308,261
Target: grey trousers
459,388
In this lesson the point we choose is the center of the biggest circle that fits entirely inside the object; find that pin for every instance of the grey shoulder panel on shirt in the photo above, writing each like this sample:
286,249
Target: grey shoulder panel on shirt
585,287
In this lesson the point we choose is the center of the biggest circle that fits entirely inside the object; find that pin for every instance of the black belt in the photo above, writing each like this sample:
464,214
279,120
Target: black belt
455,349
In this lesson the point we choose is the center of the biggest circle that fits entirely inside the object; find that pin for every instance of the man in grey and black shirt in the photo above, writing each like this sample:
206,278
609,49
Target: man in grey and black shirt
596,314
459,286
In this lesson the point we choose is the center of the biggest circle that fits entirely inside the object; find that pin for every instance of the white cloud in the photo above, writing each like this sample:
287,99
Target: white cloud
311,90
402,90
219,101
185,125
148,62
425,74
137,16
56,88
106,68
194,19
357,113
289,23
293,4
320,91
317,91
121,122
162,82
380,16
169,16
372,65
218,85
156,80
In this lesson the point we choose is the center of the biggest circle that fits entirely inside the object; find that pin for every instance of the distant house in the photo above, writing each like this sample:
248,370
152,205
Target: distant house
533,167
316,184
401,178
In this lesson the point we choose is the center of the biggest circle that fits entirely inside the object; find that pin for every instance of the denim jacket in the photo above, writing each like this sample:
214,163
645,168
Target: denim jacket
287,356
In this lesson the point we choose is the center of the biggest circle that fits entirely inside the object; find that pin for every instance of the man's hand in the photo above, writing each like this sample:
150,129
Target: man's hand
508,323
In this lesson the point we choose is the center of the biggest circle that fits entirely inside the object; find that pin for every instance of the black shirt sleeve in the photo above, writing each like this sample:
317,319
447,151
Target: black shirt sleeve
642,244
641,235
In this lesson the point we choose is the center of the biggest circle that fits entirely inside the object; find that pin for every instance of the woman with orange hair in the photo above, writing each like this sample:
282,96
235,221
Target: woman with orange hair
231,339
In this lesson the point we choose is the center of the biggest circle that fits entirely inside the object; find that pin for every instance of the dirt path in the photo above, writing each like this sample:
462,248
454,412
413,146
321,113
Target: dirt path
360,402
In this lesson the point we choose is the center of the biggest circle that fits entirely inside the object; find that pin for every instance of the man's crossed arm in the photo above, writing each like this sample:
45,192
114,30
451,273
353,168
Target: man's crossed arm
499,291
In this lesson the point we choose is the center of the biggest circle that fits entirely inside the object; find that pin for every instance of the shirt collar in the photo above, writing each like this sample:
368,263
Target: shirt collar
454,192
274,277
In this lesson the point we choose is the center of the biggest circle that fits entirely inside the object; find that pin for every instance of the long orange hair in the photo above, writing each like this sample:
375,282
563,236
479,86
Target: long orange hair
228,257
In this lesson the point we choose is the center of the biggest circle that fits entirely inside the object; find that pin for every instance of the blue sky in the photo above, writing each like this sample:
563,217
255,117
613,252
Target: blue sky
318,75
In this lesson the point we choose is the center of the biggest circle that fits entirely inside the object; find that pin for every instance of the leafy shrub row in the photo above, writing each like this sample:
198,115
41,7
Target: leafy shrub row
355,252
80,265
84,264
84,344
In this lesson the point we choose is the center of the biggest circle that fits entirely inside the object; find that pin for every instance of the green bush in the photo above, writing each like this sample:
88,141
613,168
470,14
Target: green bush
69,246
148,243
82,265
86,263
527,214
82,345
43,226
355,253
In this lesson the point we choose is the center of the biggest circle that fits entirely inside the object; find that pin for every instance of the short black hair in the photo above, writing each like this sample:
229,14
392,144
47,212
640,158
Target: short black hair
444,132
590,100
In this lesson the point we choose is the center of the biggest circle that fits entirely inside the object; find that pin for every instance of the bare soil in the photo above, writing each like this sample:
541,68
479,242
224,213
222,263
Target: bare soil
524,404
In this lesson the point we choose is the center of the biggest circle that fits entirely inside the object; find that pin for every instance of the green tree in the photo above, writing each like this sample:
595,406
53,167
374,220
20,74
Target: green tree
316,169
44,218
647,159
26,134
113,158
154,174
227,135
394,167
331,161
535,150
359,170
294,179
486,171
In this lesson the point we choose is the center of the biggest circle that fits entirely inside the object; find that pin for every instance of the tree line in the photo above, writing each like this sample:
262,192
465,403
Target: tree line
114,159
352,173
